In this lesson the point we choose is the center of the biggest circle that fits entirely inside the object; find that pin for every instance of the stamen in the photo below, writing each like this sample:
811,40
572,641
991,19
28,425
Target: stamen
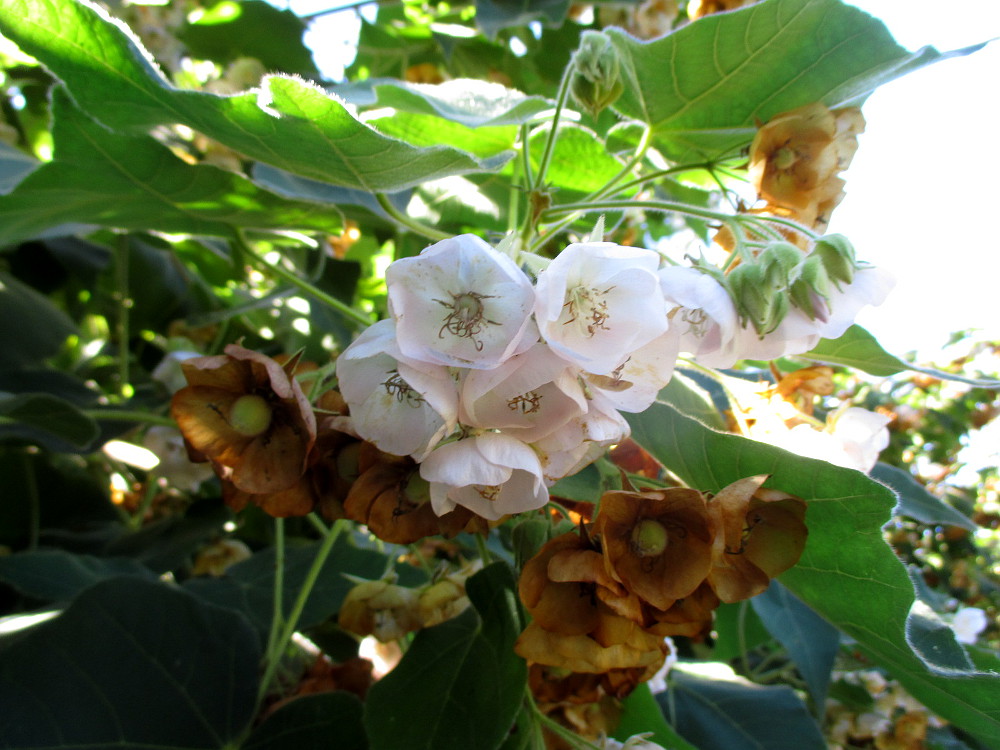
588,309
488,491
467,318
526,403
395,386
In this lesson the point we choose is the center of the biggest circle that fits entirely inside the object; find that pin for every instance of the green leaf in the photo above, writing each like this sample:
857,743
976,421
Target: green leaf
811,641
288,123
689,398
858,348
427,130
58,576
580,160
494,15
248,586
460,684
251,28
738,715
139,665
465,101
31,327
739,629
846,560
15,165
312,721
640,714
916,502
704,87
45,420
136,183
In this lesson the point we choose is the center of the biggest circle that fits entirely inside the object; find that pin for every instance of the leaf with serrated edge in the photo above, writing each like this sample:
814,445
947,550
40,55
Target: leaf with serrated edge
114,80
704,88
846,560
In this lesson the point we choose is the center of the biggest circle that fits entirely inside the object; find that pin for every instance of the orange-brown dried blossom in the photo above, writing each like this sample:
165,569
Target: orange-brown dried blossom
761,534
657,543
699,8
796,159
246,414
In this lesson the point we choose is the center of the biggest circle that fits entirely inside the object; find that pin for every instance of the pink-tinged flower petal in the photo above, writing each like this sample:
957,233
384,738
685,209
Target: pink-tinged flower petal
404,408
597,302
634,385
493,475
460,303
704,313
528,396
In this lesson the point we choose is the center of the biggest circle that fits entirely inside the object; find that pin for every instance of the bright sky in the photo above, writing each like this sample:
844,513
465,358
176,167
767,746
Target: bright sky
922,191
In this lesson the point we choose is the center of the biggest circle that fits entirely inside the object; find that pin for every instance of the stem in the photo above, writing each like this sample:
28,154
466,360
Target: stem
135,520
281,644
550,142
125,415
34,506
317,524
412,224
484,552
282,273
278,600
124,304
682,208
556,728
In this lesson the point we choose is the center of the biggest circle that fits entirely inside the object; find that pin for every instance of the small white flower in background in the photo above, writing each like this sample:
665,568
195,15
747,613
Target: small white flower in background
968,623
175,466
658,682
528,396
169,371
598,302
460,303
403,407
492,475
635,742
704,314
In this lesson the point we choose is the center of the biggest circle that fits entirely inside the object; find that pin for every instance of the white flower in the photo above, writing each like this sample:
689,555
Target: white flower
704,314
634,385
528,396
169,371
870,286
492,475
635,742
582,439
460,303
968,623
168,445
598,302
403,407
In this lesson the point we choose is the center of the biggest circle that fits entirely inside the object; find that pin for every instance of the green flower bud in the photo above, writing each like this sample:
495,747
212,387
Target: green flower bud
781,262
811,291
838,258
596,78
754,297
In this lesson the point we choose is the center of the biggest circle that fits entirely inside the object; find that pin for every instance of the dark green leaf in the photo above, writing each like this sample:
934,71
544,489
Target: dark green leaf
704,87
460,684
326,720
45,420
131,664
916,502
931,638
858,348
845,561
134,182
811,641
248,586
31,327
739,629
58,576
252,29
641,714
738,715
114,81
494,15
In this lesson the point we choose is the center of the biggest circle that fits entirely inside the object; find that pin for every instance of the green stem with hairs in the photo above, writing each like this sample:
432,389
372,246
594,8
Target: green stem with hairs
412,224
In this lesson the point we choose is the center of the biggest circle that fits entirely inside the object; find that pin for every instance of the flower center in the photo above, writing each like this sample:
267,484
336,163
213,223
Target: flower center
526,403
649,538
488,491
696,319
250,415
395,386
587,308
467,318
784,158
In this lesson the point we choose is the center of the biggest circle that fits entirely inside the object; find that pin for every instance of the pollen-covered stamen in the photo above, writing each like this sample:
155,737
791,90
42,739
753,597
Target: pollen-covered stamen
467,318
526,403
395,386
697,320
488,491
588,309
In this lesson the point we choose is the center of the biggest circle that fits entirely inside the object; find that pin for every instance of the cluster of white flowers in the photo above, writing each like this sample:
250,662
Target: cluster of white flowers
499,386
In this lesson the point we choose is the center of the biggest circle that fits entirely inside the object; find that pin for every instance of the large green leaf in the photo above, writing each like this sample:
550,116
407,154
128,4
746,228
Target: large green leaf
58,576
136,183
289,123
858,348
845,562
31,326
641,714
131,664
46,420
460,684
916,502
312,721
704,87
466,101
738,715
